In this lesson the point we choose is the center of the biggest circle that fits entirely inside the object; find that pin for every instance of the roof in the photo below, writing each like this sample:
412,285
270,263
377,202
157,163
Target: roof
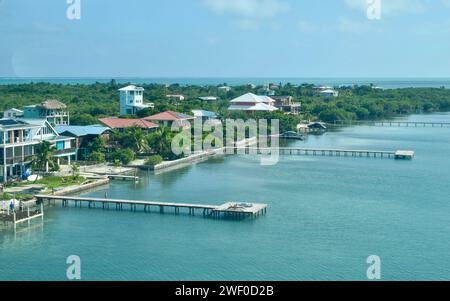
203,113
8,123
169,116
208,98
121,123
131,88
328,91
15,110
252,98
256,107
52,104
80,131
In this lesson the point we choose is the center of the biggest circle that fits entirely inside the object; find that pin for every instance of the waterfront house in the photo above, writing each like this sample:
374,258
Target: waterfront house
169,118
54,111
121,124
132,100
253,103
287,104
329,93
13,113
84,136
18,140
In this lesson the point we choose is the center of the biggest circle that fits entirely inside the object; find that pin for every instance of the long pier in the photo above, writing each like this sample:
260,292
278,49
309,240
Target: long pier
323,152
388,123
227,210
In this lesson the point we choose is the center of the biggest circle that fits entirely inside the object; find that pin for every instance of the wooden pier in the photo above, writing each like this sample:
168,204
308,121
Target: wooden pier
323,152
385,123
227,211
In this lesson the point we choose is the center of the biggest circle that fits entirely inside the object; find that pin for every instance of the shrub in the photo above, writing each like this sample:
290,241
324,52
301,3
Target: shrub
154,160
97,157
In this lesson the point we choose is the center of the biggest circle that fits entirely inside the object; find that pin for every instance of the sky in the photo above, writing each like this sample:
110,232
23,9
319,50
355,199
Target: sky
224,38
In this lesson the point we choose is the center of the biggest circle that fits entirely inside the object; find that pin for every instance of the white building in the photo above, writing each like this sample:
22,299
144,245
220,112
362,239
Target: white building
329,93
132,100
253,103
13,113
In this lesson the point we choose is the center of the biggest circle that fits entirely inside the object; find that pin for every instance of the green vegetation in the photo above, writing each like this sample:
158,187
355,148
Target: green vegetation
154,160
58,182
87,103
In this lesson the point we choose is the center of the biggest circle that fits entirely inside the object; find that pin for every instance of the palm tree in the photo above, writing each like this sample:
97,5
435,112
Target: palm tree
43,157
140,143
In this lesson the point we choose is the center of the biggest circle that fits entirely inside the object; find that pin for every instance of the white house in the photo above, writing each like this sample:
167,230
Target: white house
132,100
329,93
224,89
13,113
253,103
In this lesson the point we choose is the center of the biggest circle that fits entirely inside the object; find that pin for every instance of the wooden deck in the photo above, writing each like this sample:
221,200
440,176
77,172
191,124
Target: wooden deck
228,210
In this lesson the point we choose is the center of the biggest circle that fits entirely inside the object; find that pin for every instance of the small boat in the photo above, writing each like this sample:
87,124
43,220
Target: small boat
292,135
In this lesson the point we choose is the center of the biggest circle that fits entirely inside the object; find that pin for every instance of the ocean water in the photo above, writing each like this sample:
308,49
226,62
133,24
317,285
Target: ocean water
386,83
326,216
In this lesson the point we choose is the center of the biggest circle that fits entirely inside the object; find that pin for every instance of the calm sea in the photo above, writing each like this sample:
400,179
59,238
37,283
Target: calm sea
386,83
326,216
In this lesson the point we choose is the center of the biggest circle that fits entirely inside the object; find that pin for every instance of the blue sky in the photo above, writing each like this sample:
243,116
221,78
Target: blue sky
224,38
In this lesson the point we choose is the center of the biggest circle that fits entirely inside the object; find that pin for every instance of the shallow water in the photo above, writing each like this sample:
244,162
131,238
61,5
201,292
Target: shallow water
326,216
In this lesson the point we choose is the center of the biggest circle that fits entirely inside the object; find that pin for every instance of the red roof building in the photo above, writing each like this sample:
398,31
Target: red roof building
122,123
167,118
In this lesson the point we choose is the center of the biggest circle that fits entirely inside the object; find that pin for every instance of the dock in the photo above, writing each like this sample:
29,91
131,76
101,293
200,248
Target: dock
385,123
17,217
323,152
228,210
123,177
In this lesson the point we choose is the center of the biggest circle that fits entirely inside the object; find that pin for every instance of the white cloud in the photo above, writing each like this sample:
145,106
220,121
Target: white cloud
248,9
249,13
359,27
393,7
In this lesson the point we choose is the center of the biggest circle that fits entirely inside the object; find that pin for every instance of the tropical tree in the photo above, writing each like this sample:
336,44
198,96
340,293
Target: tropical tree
43,158
75,171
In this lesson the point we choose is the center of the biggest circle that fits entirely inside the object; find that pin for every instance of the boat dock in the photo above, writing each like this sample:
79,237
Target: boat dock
228,210
324,152
391,123
17,217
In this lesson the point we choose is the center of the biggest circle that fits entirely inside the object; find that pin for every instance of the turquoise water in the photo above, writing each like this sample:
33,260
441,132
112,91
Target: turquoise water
387,83
326,216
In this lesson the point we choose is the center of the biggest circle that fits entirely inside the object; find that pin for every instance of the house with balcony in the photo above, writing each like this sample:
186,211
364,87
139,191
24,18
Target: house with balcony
287,105
13,113
54,111
132,100
18,141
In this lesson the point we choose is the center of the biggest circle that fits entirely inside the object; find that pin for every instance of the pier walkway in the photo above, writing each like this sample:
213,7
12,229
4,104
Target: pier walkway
391,123
323,152
228,210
